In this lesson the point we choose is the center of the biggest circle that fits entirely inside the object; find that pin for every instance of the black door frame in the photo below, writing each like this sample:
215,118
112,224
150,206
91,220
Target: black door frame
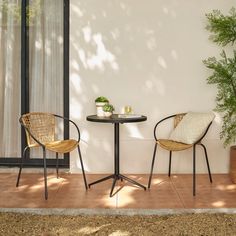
36,162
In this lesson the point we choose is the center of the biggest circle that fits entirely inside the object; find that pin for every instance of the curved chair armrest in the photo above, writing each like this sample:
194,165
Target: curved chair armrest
198,141
36,140
65,118
161,122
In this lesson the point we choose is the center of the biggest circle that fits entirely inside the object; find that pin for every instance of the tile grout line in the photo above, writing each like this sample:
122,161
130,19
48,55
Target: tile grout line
117,201
173,185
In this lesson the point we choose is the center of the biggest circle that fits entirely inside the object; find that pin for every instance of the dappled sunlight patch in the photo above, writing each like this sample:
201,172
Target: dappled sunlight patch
36,187
226,187
127,197
95,88
115,33
149,84
231,187
60,39
22,187
218,119
160,87
77,110
100,57
87,230
51,179
134,131
75,65
162,62
155,84
218,204
76,10
151,43
75,80
107,146
174,54
78,165
87,34
156,181
165,9
119,233
85,136
38,45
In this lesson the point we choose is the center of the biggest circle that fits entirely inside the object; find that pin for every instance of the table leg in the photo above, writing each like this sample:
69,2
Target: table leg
116,156
113,185
101,180
116,176
117,149
133,182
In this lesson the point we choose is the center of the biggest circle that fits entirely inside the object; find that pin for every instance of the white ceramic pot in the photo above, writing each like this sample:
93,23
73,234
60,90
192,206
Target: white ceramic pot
99,106
107,113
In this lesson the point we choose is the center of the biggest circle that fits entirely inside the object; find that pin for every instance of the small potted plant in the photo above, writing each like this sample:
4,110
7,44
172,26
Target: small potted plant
100,102
108,110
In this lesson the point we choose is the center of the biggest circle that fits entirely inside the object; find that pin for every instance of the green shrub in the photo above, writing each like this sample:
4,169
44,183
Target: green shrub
223,29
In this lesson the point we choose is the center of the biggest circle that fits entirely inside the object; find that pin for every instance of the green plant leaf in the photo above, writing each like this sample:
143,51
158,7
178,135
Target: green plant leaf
223,70
223,28
101,99
108,108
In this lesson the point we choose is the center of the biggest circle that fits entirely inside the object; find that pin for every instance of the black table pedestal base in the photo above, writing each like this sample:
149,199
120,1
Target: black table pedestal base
115,178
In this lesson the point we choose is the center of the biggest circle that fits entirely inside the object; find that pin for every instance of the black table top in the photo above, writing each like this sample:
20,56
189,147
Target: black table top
116,119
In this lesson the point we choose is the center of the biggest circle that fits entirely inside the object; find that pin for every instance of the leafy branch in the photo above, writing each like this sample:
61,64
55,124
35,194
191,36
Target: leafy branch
13,10
223,29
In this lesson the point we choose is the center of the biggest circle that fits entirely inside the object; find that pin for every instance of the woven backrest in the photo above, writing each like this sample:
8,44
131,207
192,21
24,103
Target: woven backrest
178,118
41,125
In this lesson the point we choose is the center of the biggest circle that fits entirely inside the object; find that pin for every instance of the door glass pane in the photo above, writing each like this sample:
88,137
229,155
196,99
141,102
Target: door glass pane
10,77
46,58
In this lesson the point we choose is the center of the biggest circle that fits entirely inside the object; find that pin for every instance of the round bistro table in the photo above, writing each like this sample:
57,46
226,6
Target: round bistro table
116,120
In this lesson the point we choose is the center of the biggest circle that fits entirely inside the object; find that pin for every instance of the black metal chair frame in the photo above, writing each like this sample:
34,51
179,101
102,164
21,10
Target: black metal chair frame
44,155
198,142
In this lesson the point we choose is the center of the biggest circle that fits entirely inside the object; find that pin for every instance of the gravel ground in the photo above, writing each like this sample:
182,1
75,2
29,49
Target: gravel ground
184,224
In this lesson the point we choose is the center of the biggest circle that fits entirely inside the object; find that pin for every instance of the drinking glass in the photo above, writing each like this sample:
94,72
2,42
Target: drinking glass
128,110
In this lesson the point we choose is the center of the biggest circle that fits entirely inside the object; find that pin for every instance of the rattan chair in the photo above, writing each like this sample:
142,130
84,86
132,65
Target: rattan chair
40,131
173,146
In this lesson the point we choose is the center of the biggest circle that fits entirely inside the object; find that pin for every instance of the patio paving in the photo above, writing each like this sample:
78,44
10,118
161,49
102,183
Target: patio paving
68,192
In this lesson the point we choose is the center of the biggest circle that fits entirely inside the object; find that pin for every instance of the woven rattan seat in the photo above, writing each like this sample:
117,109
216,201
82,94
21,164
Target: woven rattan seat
62,146
173,146
40,131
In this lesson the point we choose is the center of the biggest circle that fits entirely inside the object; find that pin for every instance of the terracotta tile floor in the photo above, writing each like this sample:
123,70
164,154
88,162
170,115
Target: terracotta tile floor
68,192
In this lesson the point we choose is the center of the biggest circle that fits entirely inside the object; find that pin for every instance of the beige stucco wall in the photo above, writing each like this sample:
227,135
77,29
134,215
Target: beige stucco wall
147,54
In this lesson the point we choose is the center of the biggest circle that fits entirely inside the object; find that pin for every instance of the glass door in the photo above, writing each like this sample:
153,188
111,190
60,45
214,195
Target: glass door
34,55
46,60
10,78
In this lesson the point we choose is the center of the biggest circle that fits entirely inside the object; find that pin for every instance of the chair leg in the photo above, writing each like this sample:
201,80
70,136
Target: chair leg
82,167
208,166
170,163
194,170
45,174
57,163
21,166
153,161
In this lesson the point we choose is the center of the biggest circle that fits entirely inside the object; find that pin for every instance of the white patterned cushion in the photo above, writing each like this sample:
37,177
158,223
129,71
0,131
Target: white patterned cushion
191,128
